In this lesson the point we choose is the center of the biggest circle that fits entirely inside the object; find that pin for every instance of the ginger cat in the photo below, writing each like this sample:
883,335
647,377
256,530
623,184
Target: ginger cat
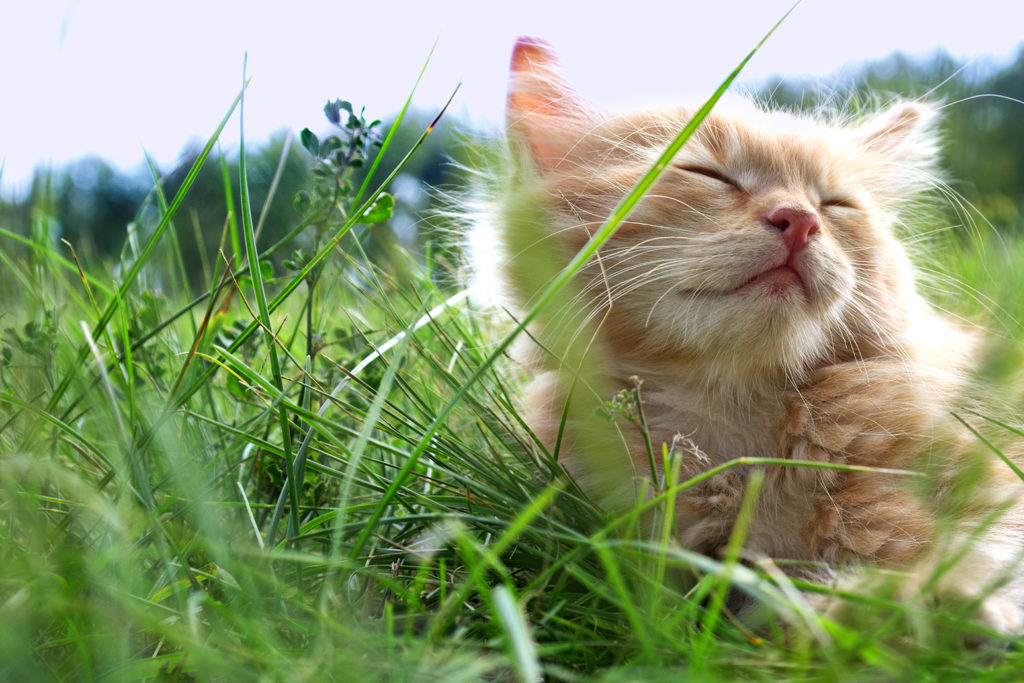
759,295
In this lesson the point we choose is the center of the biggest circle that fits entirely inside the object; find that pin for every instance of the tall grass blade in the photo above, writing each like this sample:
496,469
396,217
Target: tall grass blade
256,276
523,651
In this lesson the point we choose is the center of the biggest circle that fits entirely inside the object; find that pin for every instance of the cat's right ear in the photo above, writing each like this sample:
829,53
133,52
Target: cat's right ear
544,116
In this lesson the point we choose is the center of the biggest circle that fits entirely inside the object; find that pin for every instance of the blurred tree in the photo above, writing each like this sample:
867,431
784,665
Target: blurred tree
203,218
93,202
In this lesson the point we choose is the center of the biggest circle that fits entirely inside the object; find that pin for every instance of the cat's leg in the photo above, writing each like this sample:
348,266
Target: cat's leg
872,413
866,414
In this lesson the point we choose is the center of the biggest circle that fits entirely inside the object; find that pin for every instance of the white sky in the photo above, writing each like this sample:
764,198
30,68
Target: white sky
111,77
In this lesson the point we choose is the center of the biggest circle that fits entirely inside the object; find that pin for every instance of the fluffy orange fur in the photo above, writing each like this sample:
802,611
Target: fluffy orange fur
759,296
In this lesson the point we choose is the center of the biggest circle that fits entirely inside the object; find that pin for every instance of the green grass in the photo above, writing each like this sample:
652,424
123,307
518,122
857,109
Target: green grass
323,475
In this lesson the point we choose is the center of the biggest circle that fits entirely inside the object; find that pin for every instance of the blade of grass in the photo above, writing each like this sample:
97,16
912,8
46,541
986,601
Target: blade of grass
732,555
301,455
256,276
357,452
624,599
172,231
274,182
991,446
394,128
229,201
473,582
522,649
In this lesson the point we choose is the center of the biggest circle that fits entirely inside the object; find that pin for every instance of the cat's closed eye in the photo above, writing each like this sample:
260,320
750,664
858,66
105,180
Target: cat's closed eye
839,202
710,173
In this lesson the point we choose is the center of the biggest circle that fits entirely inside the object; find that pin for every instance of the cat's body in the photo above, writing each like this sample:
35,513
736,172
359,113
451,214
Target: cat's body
760,300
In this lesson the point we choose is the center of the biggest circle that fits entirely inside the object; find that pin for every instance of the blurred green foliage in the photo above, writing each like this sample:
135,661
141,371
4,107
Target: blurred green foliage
92,204
982,107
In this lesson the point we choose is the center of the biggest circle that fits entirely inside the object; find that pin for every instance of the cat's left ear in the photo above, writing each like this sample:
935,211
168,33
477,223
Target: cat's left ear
904,133
544,115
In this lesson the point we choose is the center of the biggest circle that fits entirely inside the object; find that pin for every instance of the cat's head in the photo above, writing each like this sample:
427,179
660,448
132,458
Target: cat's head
767,245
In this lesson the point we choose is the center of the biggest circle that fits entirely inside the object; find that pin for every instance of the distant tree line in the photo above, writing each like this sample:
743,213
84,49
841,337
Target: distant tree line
93,205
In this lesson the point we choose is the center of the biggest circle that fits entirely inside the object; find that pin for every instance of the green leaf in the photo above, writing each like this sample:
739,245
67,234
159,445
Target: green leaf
380,211
310,142
266,269
296,260
330,145
332,110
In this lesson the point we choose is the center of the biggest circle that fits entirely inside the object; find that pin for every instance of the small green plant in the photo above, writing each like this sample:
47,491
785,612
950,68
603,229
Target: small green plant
336,157
327,204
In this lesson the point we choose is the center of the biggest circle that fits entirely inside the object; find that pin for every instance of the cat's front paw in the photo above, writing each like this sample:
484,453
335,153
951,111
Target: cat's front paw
868,413
1001,614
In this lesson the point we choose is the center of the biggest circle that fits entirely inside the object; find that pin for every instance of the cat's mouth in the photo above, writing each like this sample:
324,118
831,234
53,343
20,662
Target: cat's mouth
781,281
776,281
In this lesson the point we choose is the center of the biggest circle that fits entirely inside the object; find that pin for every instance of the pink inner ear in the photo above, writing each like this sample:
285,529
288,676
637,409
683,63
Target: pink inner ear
528,52
530,90
540,103
899,129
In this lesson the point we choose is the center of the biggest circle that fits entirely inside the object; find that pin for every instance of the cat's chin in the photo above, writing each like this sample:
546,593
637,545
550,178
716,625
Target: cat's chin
766,327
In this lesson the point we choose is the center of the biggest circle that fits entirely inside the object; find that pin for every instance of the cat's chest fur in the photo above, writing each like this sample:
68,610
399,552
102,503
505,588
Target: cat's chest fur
704,425
719,424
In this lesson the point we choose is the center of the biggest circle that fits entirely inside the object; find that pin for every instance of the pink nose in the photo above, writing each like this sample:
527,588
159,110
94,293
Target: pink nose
797,225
